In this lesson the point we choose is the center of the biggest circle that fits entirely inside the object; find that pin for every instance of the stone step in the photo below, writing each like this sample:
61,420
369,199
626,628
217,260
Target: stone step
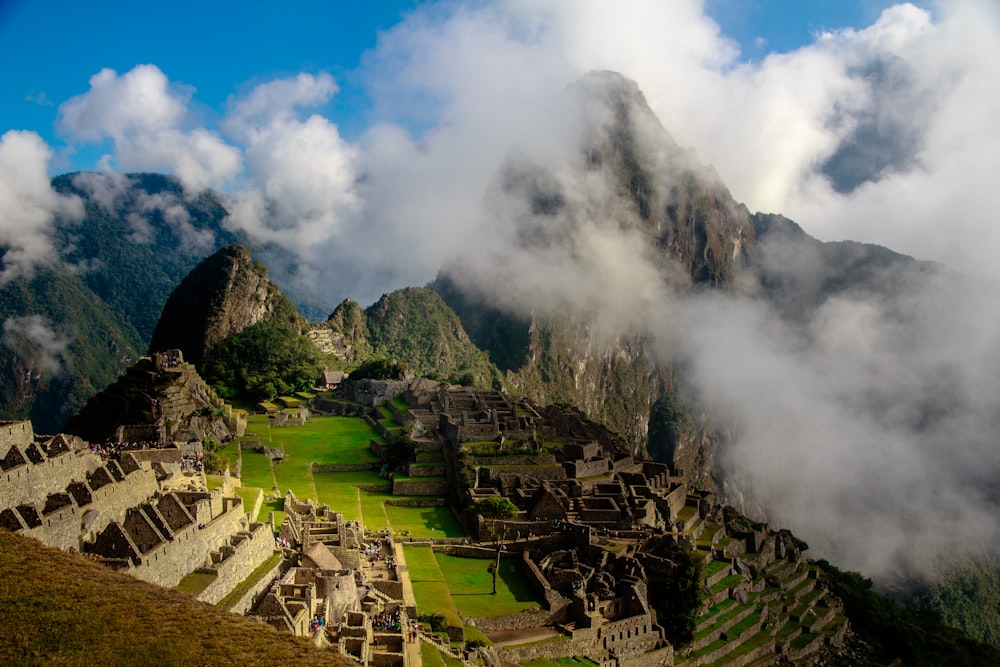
732,617
754,647
711,614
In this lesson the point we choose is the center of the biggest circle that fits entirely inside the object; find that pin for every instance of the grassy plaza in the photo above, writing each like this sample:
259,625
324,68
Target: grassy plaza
449,585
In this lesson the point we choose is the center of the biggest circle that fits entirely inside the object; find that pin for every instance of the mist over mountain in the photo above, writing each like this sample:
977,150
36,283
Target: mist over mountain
840,389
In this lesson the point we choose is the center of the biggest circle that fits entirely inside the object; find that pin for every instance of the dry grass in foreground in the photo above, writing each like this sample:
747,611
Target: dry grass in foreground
60,609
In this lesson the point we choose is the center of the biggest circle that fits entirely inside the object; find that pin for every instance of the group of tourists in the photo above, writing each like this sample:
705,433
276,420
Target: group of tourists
191,462
113,450
387,622
317,623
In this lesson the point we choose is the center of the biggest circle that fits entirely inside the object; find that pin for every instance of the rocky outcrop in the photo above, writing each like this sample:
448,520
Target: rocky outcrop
222,296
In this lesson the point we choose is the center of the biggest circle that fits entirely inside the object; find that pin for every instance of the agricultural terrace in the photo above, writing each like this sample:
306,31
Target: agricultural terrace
362,495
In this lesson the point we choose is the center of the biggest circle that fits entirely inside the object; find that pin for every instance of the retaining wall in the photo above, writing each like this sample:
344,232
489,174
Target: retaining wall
256,547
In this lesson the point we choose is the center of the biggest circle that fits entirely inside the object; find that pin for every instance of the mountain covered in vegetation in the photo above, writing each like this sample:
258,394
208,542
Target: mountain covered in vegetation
75,323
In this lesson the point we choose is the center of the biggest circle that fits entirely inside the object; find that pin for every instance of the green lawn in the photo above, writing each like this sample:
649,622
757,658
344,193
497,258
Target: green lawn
424,521
256,471
373,511
338,493
298,478
422,564
470,585
432,597
325,440
430,656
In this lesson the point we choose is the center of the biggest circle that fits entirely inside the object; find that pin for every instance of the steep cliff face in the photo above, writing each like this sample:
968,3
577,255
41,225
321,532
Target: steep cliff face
225,294
633,179
681,205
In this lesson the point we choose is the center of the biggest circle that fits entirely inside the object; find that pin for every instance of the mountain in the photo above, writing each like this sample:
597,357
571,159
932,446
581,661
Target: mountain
695,234
239,331
72,326
225,294
415,328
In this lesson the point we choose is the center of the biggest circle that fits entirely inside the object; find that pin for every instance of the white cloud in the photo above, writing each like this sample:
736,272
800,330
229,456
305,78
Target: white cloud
145,117
31,337
301,174
28,205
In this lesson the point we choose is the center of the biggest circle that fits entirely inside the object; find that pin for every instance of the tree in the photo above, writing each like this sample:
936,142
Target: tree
494,510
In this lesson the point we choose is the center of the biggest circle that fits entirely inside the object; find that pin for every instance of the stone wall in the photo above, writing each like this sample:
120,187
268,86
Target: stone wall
415,487
170,561
19,433
251,548
629,636
256,593
578,469
108,503
393,589
170,455
521,621
539,472
346,467
550,650
33,482
662,657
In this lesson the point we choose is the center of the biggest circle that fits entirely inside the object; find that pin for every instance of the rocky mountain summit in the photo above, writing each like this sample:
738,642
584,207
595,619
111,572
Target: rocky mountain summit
224,295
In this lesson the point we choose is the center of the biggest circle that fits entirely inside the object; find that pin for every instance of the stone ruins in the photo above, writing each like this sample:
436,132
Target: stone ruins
599,532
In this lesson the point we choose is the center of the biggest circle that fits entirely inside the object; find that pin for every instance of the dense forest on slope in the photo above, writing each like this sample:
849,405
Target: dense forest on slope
75,324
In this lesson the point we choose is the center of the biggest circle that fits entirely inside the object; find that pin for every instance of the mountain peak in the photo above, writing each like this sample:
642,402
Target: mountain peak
225,294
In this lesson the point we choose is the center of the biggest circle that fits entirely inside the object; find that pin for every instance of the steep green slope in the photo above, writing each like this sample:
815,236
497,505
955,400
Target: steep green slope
139,244
415,328
60,345
139,237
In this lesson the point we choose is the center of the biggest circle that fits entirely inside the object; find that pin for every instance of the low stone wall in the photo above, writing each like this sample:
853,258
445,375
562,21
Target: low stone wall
412,487
664,657
170,455
521,621
421,502
540,472
393,589
256,593
425,470
550,650
346,467
510,460
473,551
578,469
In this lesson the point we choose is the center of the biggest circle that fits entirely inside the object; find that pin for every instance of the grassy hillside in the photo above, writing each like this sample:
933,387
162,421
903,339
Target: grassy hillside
60,609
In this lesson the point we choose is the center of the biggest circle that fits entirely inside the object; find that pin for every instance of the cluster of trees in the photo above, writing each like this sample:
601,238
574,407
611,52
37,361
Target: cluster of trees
271,358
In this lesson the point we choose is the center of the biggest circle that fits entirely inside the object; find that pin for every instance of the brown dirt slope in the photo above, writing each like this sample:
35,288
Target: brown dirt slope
60,609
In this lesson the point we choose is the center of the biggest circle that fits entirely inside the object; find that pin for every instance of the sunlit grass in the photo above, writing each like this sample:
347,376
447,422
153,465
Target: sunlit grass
470,584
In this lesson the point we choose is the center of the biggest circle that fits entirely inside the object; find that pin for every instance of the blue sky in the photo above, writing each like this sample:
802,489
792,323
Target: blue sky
50,49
